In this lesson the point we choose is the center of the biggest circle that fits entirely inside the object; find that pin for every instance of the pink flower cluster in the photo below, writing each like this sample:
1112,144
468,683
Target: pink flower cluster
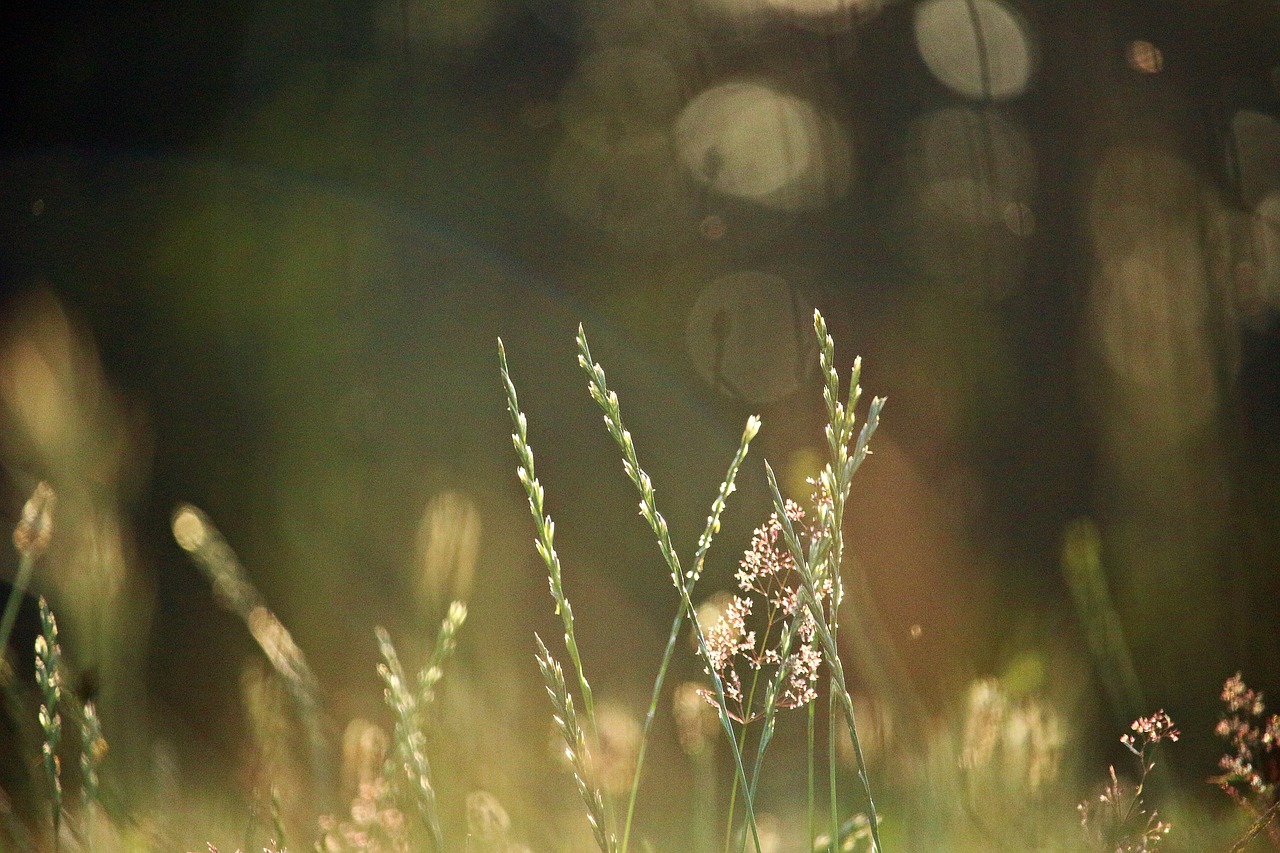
768,573
1150,730
1253,768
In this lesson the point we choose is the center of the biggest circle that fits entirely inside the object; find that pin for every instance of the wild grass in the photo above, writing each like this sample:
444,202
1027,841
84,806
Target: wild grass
769,655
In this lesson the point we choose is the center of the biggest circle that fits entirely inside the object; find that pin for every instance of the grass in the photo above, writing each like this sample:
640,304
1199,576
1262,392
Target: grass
770,659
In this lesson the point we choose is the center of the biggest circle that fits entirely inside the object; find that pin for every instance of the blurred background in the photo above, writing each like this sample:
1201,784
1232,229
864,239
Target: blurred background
256,256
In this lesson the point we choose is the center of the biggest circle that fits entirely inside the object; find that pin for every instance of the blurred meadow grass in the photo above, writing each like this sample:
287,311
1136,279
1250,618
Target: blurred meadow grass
787,720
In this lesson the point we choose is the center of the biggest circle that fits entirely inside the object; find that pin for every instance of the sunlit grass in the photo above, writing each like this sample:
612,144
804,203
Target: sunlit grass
988,775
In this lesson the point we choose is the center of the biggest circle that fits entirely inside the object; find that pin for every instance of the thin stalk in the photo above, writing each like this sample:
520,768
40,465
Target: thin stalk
704,544
1256,828
809,598
831,771
608,402
26,565
813,832
545,542
742,734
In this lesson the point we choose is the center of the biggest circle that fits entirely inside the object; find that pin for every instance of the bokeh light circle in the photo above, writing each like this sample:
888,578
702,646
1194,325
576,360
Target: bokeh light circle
750,141
977,48
750,335
974,167
1256,138
1144,57
619,92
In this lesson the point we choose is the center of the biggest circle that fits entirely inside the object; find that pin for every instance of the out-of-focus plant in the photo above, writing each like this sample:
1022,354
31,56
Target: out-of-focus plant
1251,771
1118,820
410,703
49,679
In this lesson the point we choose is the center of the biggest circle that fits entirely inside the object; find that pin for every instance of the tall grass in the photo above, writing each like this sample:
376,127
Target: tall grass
817,567
792,570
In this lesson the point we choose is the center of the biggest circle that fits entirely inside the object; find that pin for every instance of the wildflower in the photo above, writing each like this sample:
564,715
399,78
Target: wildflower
768,572
1151,729
1251,772
1118,821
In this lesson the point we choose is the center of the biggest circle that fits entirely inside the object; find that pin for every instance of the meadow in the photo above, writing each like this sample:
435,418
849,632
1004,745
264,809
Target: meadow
774,706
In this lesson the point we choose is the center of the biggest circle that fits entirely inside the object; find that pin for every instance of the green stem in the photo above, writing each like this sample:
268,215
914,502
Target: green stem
608,402
813,833
704,545
831,771
26,563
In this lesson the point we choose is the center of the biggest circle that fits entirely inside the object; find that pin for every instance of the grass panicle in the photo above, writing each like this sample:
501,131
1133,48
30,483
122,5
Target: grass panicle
597,386
819,563
49,680
446,645
546,529
410,702
575,750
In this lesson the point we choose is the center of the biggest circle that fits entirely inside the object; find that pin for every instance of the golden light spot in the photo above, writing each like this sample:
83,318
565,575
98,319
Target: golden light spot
977,48
448,545
802,465
1144,57
189,528
750,141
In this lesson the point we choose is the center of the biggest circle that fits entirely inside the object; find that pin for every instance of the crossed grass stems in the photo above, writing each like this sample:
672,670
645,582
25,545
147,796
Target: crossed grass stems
1118,821
817,567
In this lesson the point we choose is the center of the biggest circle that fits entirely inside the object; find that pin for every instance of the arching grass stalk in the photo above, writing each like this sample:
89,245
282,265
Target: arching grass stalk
546,529
545,545
608,402
821,563
809,599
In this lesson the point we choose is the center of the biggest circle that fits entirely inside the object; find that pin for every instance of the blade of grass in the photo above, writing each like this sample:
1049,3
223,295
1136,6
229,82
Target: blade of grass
1256,828
545,543
810,599
566,720
608,402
